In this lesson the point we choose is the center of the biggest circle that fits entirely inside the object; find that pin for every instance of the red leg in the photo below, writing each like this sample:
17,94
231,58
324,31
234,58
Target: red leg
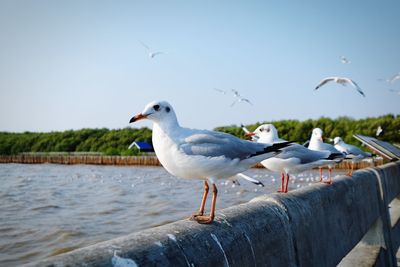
203,202
320,175
282,182
287,183
350,173
330,176
209,219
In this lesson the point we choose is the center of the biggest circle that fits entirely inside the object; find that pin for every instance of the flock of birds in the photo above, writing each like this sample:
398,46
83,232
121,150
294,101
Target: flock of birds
210,155
344,81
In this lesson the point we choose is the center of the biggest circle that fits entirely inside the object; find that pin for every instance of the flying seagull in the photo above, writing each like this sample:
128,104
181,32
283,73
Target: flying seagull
221,91
239,98
344,60
152,53
340,80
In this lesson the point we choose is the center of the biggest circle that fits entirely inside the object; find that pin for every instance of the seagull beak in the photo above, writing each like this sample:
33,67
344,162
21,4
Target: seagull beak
138,117
250,134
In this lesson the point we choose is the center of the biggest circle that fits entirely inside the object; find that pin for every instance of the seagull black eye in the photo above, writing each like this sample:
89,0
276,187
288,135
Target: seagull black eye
261,129
156,107
267,130
167,109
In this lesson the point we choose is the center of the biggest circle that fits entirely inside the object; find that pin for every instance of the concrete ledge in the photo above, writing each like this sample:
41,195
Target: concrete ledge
313,226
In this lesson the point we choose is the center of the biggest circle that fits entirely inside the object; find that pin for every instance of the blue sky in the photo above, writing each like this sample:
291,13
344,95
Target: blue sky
79,64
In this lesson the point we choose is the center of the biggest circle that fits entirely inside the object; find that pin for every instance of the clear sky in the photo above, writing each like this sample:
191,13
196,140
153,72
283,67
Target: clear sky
79,64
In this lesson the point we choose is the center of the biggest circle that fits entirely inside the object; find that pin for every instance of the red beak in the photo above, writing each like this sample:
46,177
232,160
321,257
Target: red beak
137,117
250,134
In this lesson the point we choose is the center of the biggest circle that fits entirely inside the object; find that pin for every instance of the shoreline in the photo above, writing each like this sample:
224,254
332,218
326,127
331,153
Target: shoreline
132,160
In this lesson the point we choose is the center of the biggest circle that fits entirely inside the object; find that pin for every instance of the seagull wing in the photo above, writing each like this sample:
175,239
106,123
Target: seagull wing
219,90
324,81
355,85
246,100
216,144
156,53
144,45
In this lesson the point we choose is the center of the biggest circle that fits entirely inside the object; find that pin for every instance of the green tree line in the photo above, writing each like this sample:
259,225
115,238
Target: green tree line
116,142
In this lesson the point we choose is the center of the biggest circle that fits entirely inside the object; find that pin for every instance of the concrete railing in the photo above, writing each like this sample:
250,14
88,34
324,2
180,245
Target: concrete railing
353,222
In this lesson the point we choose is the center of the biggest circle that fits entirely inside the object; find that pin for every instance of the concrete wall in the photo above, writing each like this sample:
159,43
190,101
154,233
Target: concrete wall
346,223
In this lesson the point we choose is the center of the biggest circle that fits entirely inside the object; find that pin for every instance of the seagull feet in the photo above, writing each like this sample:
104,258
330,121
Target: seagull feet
349,174
328,182
194,215
202,219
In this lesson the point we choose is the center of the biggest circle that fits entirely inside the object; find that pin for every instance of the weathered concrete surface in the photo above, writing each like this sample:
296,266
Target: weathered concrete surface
314,226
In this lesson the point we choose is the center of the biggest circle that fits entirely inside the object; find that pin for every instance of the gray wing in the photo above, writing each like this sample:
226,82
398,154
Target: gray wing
357,87
216,144
144,45
324,81
355,150
304,154
329,148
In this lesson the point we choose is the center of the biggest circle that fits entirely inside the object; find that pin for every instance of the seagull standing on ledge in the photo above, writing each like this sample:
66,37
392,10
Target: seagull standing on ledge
351,152
293,159
201,154
340,80
317,144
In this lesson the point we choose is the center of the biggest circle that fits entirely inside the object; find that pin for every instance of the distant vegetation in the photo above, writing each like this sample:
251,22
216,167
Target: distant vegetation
116,142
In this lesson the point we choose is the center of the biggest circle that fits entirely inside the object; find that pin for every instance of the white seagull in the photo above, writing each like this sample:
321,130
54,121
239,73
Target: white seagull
201,154
317,144
152,53
340,80
239,98
221,91
344,60
352,152
294,158
379,130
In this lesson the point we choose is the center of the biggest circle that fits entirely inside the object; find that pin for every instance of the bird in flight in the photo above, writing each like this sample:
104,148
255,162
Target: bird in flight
340,80
344,60
239,98
392,79
152,53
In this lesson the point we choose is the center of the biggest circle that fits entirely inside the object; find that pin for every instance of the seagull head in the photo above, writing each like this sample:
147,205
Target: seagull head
317,134
337,140
266,133
156,111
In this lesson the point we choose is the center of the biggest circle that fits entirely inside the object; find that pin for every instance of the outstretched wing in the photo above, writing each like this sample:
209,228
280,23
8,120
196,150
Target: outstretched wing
355,85
324,81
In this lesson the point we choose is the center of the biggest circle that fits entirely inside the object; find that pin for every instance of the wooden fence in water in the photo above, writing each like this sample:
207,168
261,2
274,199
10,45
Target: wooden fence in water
133,160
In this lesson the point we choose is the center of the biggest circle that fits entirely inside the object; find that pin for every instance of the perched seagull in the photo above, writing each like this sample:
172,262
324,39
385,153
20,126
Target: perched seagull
344,60
341,80
201,154
317,144
379,130
239,98
152,53
352,152
294,158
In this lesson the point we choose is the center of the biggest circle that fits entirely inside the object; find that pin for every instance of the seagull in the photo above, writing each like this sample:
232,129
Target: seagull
317,144
394,78
152,53
352,152
341,80
395,91
239,98
201,154
294,158
379,130
344,60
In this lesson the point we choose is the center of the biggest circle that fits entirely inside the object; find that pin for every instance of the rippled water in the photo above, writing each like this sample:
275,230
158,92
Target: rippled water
49,209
